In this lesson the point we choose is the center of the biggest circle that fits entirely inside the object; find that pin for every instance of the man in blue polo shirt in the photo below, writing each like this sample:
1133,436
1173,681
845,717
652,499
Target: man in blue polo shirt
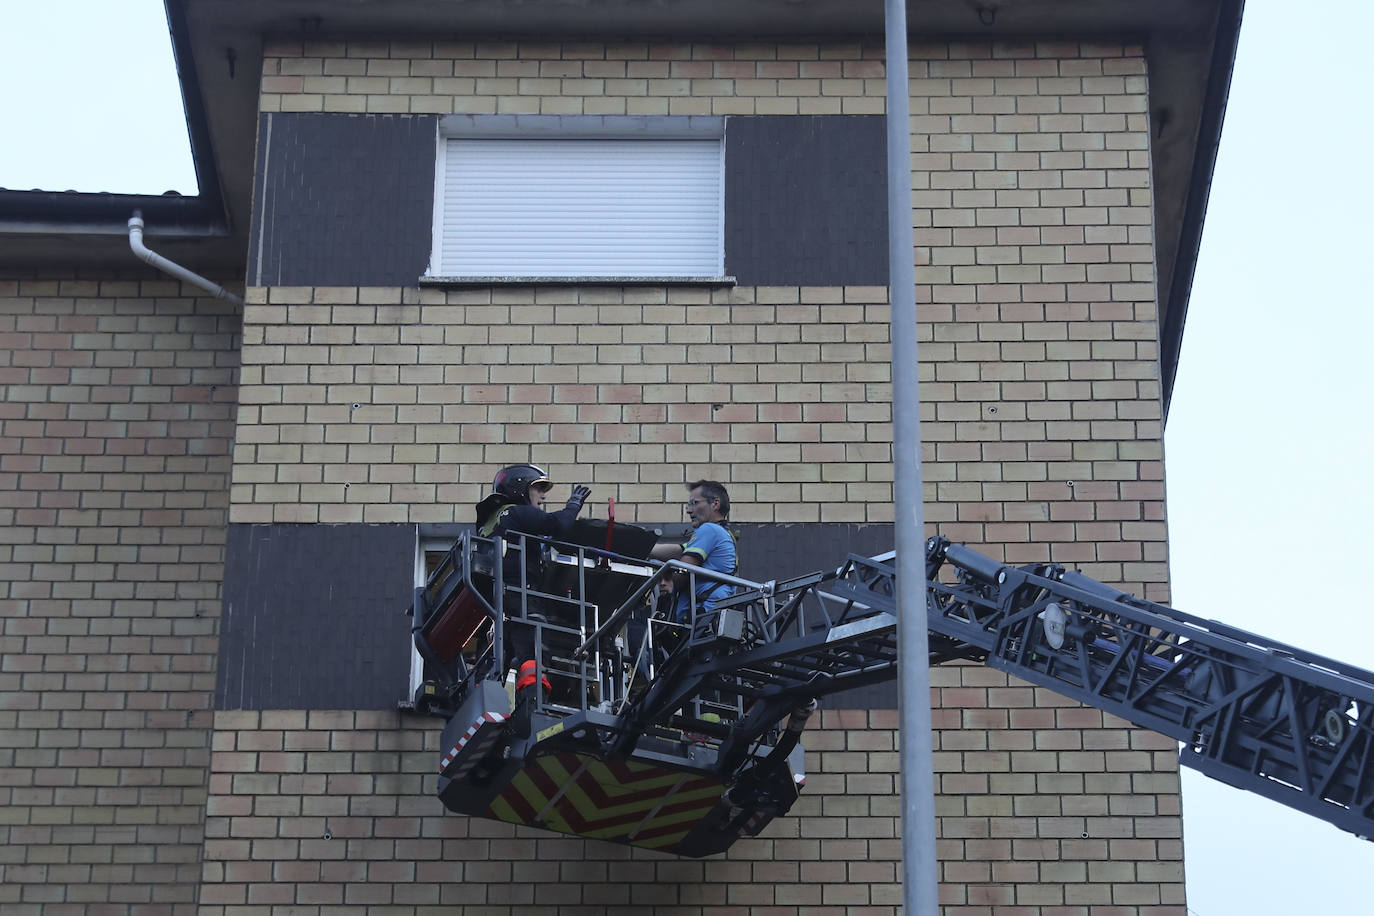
711,547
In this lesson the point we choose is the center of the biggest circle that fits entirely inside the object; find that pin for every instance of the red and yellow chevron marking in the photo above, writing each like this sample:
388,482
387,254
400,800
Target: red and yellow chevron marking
631,802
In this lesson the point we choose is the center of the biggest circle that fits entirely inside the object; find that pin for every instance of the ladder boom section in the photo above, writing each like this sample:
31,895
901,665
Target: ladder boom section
622,685
1260,715
776,648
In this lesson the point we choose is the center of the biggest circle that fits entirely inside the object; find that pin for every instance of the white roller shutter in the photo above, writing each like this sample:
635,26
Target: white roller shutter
580,208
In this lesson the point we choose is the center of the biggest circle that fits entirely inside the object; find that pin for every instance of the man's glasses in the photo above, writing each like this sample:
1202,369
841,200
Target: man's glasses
697,502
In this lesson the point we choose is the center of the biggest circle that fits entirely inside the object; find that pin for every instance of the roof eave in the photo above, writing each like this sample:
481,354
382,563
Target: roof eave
1175,303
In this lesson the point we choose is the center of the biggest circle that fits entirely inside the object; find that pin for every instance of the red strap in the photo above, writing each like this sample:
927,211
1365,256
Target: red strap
610,521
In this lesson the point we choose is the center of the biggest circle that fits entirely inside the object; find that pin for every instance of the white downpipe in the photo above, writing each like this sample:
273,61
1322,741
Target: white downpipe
169,267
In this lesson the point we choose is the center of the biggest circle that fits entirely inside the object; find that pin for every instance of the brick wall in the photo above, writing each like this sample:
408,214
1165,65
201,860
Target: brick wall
1032,211
1047,806
1041,434
114,459
635,78
415,406
1043,808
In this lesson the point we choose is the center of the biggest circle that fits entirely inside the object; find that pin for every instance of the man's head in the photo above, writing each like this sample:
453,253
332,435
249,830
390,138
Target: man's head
522,483
707,501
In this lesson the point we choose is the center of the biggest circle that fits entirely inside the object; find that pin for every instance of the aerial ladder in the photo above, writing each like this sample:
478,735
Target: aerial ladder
684,735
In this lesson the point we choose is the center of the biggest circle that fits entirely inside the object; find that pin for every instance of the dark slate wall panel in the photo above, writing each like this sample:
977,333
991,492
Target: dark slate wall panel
342,200
347,200
782,551
806,200
313,617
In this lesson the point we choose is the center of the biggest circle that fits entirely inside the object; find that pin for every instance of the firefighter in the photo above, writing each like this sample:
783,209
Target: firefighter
512,509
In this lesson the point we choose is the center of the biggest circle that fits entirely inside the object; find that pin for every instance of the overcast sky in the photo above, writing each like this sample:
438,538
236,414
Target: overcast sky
1268,444
1268,441
90,98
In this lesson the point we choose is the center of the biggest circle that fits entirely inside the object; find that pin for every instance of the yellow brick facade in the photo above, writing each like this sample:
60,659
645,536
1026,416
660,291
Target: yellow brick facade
1041,401
1042,807
595,78
387,405
115,432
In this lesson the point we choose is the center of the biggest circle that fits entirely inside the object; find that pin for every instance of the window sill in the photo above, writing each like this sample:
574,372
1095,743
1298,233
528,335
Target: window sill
428,280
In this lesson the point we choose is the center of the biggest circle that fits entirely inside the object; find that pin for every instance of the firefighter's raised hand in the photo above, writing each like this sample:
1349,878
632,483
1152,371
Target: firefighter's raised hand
579,496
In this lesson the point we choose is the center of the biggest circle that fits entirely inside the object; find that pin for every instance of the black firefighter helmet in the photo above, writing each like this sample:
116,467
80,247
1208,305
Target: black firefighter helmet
512,488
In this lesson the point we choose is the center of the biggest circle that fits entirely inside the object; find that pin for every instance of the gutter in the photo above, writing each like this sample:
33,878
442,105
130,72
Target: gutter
197,119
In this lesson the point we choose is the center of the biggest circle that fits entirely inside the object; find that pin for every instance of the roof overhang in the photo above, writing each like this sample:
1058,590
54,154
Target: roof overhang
218,44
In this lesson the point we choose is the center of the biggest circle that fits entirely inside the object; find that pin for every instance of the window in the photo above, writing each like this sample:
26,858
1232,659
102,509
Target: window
579,198
430,551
